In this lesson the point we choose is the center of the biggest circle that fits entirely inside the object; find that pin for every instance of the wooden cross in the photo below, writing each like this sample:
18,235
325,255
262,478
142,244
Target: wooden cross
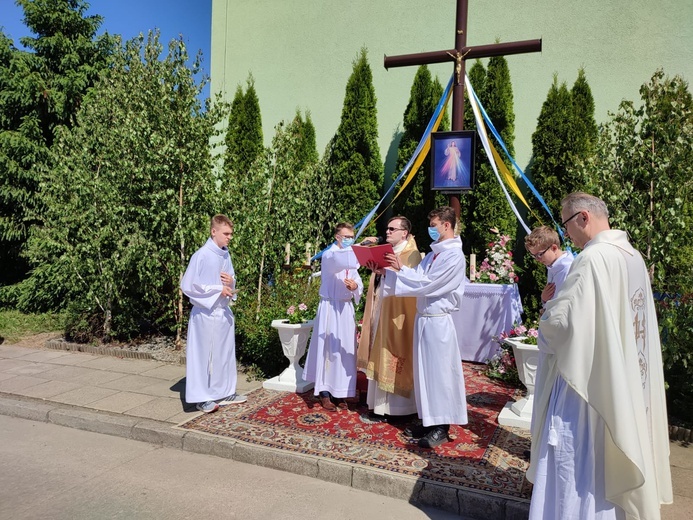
459,55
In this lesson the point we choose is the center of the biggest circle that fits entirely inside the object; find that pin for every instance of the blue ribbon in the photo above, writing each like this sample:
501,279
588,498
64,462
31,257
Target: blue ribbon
363,223
500,141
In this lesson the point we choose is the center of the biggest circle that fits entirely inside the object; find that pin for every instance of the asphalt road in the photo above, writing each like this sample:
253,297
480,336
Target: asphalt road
49,471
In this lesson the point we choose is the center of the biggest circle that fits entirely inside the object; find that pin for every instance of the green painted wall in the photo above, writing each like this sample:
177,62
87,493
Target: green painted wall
301,51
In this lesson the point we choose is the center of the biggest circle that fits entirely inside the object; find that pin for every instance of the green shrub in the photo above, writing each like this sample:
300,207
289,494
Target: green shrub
675,317
257,343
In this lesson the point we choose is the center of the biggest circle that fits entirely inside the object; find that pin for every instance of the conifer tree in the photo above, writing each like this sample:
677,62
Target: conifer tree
417,199
563,139
40,90
586,130
356,169
552,146
477,77
244,132
488,205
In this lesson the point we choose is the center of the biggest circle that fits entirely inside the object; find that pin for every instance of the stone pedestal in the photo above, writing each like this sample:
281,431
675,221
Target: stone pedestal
294,339
519,413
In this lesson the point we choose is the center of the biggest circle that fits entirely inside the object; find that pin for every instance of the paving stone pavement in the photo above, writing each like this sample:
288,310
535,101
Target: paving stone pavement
143,399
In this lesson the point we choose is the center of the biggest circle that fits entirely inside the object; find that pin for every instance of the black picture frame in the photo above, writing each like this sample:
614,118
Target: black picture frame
452,161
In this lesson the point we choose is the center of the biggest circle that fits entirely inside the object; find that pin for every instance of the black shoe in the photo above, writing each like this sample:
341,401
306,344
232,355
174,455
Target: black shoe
400,419
417,430
374,417
437,436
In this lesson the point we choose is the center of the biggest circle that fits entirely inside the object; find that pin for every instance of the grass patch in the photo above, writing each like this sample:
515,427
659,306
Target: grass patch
15,325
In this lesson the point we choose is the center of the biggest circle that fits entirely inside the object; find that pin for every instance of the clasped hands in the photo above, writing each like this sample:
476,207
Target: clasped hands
227,282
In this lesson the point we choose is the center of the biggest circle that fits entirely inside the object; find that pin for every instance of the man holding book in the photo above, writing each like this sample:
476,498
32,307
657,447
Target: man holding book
385,350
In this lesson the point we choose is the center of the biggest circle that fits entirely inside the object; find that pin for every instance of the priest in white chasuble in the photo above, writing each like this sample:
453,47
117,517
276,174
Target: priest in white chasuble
386,352
600,444
438,285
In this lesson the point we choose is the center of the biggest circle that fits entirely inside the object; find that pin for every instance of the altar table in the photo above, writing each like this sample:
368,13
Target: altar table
486,311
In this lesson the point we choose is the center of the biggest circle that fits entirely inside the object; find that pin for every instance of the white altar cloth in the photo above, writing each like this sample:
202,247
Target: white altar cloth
486,311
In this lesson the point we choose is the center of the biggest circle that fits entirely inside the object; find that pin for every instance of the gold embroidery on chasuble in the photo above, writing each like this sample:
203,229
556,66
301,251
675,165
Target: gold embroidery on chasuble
390,359
637,304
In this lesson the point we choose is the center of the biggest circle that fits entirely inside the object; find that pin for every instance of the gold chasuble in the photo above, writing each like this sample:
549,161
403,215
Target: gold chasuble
385,349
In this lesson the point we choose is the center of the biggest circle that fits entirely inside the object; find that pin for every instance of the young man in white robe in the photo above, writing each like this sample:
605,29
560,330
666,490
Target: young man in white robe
600,444
209,282
331,360
438,285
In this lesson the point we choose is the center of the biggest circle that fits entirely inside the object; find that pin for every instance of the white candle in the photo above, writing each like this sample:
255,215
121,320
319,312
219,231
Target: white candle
287,257
308,255
472,266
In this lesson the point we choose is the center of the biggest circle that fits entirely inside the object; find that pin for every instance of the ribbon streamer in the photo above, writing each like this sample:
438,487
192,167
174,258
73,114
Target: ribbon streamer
481,130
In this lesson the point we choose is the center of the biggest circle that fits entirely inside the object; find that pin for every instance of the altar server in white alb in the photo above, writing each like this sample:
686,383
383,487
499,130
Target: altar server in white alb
600,444
210,283
331,360
438,285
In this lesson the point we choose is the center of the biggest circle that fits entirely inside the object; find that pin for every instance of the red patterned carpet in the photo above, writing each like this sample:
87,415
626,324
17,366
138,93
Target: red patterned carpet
482,455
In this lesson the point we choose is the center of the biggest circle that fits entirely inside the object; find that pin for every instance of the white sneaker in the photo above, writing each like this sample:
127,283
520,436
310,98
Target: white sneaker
233,399
207,407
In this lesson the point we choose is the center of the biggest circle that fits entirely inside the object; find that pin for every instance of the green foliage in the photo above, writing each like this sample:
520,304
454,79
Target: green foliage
486,206
244,133
563,140
417,199
675,317
643,169
257,343
128,198
354,163
40,90
15,325
279,201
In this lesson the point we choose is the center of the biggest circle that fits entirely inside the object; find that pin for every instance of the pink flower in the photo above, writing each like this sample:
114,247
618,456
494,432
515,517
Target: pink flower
493,276
291,310
302,307
533,333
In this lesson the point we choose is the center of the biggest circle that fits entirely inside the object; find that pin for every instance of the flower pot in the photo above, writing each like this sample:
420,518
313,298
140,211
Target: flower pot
294,339
519,413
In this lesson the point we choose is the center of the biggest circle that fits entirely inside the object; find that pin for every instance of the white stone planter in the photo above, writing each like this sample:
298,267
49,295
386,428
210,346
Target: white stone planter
294,338
519,413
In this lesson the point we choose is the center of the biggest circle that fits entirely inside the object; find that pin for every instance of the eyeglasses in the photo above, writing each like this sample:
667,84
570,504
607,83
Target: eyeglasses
346,237
390,228
539,255
569,219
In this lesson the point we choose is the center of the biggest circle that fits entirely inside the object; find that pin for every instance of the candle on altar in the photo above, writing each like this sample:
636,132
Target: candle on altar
472,266
287,257
308,255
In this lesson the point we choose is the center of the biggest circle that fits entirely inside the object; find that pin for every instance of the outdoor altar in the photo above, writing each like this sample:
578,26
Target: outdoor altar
486,311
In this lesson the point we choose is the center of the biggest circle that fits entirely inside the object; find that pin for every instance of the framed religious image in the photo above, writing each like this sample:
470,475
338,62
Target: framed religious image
452,164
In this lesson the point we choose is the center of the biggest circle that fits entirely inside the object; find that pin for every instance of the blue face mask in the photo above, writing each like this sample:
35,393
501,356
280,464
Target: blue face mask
433,233
347,242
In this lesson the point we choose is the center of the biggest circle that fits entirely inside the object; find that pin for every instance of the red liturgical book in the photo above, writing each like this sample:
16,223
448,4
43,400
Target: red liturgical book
375,253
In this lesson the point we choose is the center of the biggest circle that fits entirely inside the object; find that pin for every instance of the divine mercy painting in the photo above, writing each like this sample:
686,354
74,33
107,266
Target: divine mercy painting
453,160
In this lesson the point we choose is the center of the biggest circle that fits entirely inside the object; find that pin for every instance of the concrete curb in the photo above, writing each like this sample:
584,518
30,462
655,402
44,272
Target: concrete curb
466,503
57,344
676,433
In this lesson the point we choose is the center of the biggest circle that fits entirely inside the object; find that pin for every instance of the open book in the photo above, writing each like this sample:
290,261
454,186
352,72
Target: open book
364,254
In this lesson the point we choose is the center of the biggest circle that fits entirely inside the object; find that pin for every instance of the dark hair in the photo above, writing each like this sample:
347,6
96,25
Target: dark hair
406,224
444,214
